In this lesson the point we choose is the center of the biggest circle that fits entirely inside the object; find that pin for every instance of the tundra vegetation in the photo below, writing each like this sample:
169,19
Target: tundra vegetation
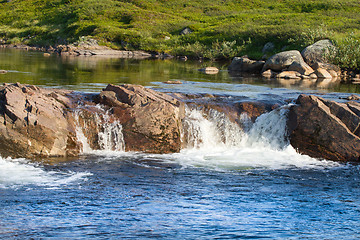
216,29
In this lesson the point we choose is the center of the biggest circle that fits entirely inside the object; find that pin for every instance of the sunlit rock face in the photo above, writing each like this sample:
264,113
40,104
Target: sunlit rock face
151,120
34,122
38,122
325,129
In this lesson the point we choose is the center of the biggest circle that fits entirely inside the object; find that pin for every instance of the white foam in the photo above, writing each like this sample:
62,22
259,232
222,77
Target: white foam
242,158
211,140
20,172
216,142
110,136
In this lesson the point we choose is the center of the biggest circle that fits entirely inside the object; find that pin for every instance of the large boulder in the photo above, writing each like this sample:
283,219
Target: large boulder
34,122
325,129
244,64
151,121
37,122
317,52
284,60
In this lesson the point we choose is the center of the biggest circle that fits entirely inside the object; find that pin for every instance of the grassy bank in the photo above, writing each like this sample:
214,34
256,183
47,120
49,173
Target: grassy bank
219,28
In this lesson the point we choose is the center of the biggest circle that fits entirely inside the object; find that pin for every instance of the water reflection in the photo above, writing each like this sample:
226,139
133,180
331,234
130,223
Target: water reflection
93,73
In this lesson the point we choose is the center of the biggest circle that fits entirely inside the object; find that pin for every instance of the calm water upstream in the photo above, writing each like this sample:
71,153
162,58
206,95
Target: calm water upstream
229,183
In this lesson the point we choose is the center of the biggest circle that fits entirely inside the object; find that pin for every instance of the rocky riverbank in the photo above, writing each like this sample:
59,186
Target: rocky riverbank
37,122
86,47
311,63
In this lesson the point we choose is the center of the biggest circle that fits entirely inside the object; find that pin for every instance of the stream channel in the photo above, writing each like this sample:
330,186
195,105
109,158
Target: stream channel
228,183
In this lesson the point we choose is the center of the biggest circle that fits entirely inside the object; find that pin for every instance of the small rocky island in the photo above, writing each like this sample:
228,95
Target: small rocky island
42,122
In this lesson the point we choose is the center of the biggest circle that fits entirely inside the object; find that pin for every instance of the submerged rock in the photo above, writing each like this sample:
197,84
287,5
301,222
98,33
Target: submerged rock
209,70
325,129
173,82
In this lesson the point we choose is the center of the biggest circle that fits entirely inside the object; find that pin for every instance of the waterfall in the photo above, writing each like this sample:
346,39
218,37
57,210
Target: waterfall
212,140
109,133
213,129
209,130
209,139
111,138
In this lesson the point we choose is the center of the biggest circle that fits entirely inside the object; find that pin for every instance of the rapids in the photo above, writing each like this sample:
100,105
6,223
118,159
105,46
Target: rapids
231,180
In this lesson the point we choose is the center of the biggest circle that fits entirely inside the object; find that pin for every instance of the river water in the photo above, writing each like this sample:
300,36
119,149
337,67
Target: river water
227,183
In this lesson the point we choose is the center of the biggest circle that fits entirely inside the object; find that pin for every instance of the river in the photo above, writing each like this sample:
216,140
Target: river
228,183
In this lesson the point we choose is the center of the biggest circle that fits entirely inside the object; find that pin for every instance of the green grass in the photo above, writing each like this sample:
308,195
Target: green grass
221,28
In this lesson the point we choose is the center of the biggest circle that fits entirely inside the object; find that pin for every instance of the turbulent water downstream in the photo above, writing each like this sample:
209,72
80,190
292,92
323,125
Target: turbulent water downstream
230,180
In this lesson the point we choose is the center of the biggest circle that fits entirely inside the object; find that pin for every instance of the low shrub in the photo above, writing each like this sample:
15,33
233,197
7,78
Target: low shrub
347,52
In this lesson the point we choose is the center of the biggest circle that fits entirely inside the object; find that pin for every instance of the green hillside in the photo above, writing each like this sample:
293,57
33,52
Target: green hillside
220,28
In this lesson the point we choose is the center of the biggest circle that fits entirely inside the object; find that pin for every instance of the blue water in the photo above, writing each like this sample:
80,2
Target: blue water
252,187
143,197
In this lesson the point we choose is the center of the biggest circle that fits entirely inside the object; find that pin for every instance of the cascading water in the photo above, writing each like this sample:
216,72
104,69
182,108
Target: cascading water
214,130
111,137
21,172
212,140
109,133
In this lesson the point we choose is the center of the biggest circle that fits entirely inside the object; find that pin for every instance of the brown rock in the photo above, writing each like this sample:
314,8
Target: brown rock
269,74
255,109
353,97
333,73
325,129
210,70
301,67
289,75
313,76
322,73
151,120
172,82
327,66
34,122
